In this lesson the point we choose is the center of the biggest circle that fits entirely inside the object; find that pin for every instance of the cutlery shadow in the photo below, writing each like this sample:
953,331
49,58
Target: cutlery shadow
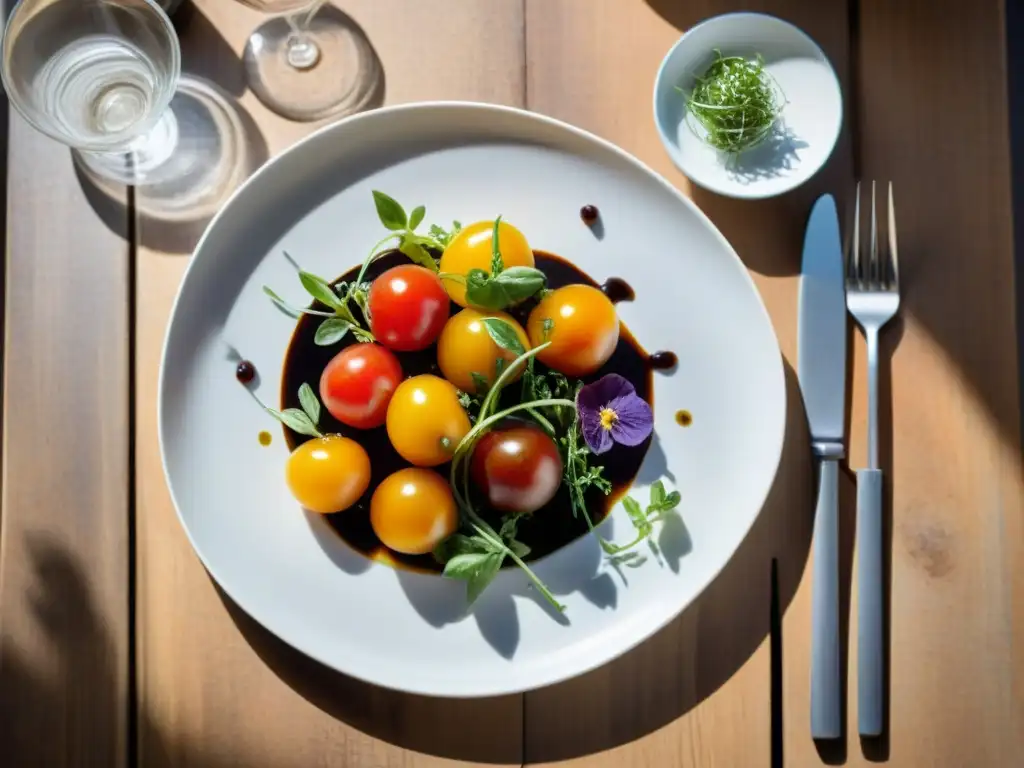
686,662
877,748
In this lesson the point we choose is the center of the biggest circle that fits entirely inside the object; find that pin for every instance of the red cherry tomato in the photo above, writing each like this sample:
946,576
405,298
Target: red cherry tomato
518,468
408,308
357,385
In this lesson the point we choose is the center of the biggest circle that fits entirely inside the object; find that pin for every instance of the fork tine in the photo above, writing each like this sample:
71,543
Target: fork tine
874,269
894,262
853,261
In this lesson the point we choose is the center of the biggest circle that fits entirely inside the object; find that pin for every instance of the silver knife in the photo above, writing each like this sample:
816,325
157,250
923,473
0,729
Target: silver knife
821,368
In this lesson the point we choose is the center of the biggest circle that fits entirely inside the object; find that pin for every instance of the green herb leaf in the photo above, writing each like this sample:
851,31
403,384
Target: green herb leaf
484,576
503,334
418,254
331,331
501,291
456,544
633,509
391,214
309,402
480,382
657,493
466,565
296,420
497,263
443,236
320,289
521,282
416,216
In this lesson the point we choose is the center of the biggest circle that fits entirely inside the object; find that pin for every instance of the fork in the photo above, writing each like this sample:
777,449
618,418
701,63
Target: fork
873,298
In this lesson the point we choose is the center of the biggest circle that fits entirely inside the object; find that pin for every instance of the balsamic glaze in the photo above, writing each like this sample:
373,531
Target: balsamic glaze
617,289
589,214
549,528
265,438
663,361
684,418
245,372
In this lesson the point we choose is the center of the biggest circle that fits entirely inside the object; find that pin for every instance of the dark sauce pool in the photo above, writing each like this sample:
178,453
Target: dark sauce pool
550,527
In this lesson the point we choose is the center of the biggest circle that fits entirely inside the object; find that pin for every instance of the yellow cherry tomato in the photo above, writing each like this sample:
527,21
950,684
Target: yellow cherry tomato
425,420
328,474
471,249
413,510
466,348
584,329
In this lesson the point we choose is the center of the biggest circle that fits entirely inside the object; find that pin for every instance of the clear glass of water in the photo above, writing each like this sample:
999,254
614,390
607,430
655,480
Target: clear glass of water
98,76
311,61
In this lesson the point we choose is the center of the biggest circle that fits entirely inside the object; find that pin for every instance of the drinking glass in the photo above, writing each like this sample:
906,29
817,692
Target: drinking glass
96,75
310,61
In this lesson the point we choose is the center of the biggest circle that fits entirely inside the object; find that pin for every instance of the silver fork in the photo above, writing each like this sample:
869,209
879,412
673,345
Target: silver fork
873,298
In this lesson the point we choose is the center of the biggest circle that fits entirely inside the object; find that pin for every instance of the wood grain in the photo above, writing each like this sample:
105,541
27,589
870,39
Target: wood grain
64,578
214,689
700,692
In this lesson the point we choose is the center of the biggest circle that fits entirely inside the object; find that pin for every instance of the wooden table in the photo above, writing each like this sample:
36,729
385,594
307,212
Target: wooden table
116,648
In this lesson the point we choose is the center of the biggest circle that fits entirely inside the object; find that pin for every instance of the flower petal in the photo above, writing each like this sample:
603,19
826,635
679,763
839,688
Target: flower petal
597,438
635,422
598,394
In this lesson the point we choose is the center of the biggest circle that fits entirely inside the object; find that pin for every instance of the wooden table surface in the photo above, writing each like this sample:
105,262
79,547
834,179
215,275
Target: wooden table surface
117,649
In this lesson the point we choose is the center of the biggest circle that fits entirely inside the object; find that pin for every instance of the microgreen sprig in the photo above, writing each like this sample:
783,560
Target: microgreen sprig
303,421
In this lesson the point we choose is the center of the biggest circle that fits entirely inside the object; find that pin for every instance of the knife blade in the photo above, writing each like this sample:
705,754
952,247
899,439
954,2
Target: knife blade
821,370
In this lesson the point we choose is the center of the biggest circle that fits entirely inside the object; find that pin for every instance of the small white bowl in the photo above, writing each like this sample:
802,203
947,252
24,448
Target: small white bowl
805,133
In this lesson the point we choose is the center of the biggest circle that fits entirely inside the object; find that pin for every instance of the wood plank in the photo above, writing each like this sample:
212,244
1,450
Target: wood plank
933,119
64,613
214,689
701,692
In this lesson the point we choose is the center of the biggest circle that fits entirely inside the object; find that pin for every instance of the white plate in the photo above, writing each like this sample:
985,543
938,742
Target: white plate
410,631
804,136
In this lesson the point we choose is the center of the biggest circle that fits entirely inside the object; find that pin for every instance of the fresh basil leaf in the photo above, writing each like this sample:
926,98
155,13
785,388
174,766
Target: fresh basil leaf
657,494
497,263
487,295
671,501
417,254
503,334
319,289
483,576
456,544
480,382
295,420
518,547
331,331
416,217
466,565
636,514
391,214
309,402
520,282
499,367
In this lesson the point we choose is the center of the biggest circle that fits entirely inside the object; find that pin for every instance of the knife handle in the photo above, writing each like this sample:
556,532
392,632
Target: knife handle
826,710
870,602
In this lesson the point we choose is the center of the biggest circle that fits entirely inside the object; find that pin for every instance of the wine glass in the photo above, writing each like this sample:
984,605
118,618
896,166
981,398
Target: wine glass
98,76
310,62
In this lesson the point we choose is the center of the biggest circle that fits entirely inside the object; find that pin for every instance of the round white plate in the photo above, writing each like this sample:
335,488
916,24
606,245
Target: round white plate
410,631
805,134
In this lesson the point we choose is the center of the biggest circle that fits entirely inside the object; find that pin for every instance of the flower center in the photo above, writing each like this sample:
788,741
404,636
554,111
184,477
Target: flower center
608,417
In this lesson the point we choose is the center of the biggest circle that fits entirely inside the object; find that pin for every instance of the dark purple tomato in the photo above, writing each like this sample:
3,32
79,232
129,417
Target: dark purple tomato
518,468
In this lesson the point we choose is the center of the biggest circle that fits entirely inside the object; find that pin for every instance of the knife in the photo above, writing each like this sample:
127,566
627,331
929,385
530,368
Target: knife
821,369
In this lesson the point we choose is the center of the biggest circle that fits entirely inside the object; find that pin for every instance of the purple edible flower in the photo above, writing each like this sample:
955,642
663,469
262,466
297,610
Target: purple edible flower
611,411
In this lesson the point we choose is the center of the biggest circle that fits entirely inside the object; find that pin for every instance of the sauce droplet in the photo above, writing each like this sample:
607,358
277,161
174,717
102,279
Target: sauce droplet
245,372
265,438
684,418
663,361
589,214
617,289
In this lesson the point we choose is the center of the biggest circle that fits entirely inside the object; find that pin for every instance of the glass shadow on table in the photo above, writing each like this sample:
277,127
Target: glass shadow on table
218,147
693,656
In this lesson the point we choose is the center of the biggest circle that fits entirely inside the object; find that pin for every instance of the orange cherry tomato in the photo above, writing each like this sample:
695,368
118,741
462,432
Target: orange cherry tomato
328,474
584,329
413,510
426,421
356,386
471,249
408,308
466,348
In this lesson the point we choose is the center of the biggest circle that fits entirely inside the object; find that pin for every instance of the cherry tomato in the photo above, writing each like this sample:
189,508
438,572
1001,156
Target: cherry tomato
328,474
426,421
356,386
584,330
518,468
471,249
466,348
413,510
408,308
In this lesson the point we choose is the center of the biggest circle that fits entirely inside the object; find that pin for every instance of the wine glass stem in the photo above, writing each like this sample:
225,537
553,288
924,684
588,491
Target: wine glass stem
303,52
